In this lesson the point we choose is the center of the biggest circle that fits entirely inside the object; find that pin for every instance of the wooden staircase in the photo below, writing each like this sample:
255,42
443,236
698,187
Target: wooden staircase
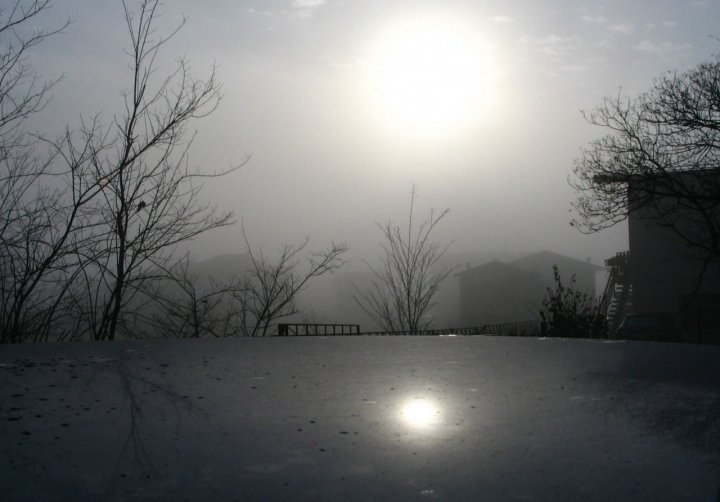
616,301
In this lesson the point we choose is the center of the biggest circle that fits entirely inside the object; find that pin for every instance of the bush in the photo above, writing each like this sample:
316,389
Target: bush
570,313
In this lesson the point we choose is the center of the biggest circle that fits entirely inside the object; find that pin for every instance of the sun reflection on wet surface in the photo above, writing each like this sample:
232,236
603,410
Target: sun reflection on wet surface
420,412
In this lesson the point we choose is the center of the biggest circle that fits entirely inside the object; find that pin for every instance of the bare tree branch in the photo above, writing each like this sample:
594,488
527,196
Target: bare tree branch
35,221
273,285
408,278
660,160
123,195
149,200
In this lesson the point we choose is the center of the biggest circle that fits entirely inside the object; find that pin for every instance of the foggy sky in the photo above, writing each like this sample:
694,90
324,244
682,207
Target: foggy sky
323,167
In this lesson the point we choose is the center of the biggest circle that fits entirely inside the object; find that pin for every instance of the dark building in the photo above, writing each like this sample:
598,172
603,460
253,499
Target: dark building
499,292
667,267
584,272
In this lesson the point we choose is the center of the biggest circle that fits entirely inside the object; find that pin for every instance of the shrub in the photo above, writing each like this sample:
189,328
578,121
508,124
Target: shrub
570,313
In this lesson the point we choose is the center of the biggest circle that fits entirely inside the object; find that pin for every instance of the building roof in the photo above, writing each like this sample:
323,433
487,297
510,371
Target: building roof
543,260
494,265
667,174
546,259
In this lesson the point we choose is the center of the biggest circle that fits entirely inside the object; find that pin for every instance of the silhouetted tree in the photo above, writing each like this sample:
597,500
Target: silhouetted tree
270,288
408,277
570,313
184,305
245,302
35,220
22,93
665,144
149,202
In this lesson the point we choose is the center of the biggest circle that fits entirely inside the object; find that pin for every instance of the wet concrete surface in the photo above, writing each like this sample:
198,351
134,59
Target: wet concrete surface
360,418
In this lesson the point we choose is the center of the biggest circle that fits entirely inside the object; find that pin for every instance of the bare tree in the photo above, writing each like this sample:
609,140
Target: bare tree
660,160
34,221
272,286
48,224
87,225
184,305
149,200
248,302
408,277
22,93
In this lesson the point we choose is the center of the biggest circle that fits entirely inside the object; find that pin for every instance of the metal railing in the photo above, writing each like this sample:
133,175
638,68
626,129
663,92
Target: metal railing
306,329
523,328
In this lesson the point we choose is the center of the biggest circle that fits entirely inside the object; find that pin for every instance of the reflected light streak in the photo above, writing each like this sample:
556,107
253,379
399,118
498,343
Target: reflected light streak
420,413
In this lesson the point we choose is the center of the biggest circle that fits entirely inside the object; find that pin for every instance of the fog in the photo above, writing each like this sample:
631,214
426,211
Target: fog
326,161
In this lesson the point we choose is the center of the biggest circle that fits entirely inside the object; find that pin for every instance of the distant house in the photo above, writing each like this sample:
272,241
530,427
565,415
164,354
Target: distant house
663,271
444,311
543,262
499,292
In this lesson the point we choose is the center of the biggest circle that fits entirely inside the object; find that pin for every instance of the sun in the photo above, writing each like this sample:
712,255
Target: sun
428,76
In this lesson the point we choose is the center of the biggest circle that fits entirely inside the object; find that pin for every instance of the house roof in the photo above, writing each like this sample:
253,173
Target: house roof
635,177
494,264
535,261
546,259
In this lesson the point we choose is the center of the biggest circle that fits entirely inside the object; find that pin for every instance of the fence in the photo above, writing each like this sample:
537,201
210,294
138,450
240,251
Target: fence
285,329
524,328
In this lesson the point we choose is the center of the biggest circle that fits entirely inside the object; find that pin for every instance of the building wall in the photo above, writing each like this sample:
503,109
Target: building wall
499,293
542,263
666,272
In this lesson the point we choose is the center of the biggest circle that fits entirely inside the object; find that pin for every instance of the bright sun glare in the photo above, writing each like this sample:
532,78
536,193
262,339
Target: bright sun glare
419,412
428,76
